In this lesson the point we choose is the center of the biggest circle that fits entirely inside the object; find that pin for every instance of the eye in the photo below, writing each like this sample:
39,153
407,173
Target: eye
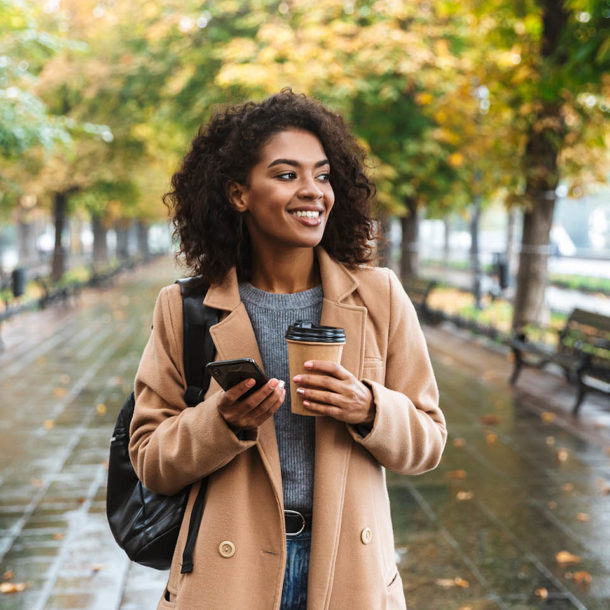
287,176
323,177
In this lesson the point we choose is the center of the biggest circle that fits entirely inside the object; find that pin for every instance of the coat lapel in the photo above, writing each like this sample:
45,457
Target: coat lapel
333,443
234,338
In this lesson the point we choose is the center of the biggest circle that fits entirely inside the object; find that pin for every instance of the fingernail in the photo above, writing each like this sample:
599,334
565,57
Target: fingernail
273,383
300,391
297,379
282,384
250,382
306,403
308,364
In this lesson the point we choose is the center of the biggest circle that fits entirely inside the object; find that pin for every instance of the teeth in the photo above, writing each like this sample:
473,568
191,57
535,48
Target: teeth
302,214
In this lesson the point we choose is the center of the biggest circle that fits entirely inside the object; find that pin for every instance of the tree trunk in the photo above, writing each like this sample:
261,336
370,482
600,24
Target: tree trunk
100,245
26,242
446,240
76,242
60,208
408,245
142,232
475,259
122,240
510,253
544,142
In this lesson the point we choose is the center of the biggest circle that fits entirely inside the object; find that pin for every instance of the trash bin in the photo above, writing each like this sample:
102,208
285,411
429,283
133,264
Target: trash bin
18,281
500,265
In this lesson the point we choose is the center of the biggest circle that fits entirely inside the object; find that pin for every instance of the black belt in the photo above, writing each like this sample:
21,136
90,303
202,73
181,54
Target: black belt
296,522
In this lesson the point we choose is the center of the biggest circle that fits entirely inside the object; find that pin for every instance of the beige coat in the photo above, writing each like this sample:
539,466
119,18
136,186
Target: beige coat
240,553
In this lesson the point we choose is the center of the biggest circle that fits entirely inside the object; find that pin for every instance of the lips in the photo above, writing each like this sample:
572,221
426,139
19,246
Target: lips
310,217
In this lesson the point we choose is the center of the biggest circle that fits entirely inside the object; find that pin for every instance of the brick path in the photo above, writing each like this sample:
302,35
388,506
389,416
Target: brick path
520,481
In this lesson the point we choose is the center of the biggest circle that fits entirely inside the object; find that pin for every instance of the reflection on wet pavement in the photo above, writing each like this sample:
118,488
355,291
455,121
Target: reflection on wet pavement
516,488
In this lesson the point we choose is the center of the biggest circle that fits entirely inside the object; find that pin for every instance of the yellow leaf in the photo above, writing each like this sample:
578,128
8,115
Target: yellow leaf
583,517
490,420
566,557
491,438
562,455
547,417
459,443
8,575
12,587
568,487
49,424
101,409
458,474
581,577
542,593
59,392
550,441
464,496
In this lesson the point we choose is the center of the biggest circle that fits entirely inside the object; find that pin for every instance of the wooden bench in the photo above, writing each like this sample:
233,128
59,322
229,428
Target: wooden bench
582,350
419,290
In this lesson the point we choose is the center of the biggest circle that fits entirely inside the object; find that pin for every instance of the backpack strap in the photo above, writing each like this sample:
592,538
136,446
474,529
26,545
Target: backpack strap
198,347
198,350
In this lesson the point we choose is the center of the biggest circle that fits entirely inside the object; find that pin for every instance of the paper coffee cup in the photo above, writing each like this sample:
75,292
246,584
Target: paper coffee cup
308,341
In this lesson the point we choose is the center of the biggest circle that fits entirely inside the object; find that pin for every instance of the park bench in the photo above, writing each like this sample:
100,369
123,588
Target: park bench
582,350
419,290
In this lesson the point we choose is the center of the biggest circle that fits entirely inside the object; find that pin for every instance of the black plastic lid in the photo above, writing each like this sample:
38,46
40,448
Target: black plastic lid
308,331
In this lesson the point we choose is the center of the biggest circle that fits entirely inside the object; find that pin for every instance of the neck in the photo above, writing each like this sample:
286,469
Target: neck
285,273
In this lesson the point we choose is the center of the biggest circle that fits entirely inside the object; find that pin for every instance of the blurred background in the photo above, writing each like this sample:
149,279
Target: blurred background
486,122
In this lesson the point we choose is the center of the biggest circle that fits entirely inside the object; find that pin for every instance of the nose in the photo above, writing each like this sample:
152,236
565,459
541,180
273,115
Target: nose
310,189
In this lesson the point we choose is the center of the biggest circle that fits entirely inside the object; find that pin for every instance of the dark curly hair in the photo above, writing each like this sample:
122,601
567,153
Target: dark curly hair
212,238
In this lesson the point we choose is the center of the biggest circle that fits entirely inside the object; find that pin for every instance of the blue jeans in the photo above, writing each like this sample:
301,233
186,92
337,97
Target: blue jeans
294,592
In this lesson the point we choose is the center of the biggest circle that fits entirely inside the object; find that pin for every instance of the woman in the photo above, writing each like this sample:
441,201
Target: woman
272,209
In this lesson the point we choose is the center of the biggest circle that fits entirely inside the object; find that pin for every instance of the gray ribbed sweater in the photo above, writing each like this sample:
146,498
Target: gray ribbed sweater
271,314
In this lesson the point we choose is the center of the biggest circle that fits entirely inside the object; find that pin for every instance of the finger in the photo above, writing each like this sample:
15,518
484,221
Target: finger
325,382
323,409
322,397
256,398
233,394
328,367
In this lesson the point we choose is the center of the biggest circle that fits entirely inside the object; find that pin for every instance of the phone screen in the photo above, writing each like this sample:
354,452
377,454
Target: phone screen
228,373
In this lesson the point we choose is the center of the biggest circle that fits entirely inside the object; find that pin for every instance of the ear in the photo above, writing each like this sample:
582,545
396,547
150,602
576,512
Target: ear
237,196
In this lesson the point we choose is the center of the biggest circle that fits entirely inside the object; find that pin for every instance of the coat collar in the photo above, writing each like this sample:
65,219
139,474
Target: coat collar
337,282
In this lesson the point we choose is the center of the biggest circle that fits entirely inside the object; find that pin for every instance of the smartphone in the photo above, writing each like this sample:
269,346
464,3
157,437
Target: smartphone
229,373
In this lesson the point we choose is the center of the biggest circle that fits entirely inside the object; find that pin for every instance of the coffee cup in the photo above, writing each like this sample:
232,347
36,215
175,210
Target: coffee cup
309,341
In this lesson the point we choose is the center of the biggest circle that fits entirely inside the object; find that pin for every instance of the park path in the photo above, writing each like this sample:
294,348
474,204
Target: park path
520,481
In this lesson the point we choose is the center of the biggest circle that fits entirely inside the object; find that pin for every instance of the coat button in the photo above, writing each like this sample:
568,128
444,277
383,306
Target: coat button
226,548
366,535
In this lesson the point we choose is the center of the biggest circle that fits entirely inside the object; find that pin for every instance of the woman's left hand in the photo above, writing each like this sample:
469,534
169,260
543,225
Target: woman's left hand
330,389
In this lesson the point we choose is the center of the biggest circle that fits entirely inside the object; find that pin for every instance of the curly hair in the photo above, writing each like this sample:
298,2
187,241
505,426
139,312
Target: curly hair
212,238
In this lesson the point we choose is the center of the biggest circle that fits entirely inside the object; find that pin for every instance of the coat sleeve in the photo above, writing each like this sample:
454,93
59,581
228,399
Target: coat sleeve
172,445
409,433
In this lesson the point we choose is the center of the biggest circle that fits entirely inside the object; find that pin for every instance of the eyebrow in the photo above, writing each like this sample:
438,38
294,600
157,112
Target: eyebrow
296,163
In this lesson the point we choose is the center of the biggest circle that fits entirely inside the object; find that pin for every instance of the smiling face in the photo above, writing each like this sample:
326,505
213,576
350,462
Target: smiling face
289,196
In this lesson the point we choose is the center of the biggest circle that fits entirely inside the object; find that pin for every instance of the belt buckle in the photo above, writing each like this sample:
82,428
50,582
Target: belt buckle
295,513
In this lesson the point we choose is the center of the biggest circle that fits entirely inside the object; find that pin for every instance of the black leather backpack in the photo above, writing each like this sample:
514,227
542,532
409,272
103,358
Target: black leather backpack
145,524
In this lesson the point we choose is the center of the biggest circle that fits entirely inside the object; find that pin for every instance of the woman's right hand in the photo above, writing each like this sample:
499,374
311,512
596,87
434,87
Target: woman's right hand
251,412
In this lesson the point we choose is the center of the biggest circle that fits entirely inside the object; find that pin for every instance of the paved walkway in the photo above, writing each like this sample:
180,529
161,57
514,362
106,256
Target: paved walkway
520,483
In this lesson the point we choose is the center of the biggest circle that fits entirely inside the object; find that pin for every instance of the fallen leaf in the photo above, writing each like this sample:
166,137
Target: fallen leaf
119,314
562,455
463,496
12,587
36,482
8,575
491,438
101,409
607,450
566,557
65,379
550,441
603,485
58,536
59,392
49,424
542,593
583,517
581,578
459,443
490,420
552,505
468,607
567,487
458,474
448,583
97,567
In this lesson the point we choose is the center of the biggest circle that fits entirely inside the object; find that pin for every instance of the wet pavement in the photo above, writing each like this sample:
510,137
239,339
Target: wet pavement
517,515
